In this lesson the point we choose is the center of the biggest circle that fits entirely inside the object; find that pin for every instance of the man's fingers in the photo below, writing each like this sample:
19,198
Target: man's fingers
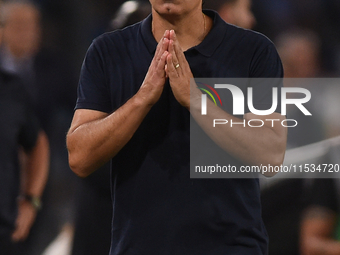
166,34
163,49
24,221
21,231
160,43
179,55
171,72
162,46
165,45
173,54
160,68
159,46
162,62
174,44
177,48
166,71
18,235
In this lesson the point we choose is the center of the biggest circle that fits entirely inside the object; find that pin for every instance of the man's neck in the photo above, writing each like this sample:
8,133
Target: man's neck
190,30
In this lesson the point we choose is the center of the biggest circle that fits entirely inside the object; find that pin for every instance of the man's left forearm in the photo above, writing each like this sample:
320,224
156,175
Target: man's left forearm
251,145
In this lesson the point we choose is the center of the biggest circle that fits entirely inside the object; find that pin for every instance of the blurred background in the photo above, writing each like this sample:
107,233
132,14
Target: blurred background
45,42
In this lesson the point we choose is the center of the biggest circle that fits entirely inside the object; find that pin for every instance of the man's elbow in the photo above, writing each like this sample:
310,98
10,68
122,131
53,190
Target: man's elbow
277,151
278,158
82,160
78,166
77,161
274,162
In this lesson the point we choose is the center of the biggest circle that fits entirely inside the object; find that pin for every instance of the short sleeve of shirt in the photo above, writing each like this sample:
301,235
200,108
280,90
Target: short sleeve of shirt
92,88
266,73
266,63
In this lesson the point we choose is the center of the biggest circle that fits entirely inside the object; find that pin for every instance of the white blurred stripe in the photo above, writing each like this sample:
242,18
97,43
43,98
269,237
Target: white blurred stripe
62,245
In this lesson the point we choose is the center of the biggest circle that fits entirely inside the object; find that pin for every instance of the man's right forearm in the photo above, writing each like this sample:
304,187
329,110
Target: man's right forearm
95,137
92,143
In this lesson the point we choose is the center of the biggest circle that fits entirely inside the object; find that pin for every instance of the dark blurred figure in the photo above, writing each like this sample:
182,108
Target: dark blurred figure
320,226
284,202
47,77
93,214
236,12
51,87
20,136
321,16
299,50
20,132
320,229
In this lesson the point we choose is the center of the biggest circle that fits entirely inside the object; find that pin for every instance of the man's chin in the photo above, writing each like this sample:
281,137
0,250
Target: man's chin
168,10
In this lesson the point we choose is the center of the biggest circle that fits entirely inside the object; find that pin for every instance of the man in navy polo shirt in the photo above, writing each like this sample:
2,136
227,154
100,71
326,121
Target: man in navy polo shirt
134,107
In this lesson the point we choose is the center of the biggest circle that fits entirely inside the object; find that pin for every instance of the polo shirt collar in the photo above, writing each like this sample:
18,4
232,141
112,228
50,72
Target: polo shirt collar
207,47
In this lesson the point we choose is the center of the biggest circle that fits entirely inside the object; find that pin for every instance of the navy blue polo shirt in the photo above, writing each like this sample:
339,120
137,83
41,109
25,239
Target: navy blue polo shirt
157,208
